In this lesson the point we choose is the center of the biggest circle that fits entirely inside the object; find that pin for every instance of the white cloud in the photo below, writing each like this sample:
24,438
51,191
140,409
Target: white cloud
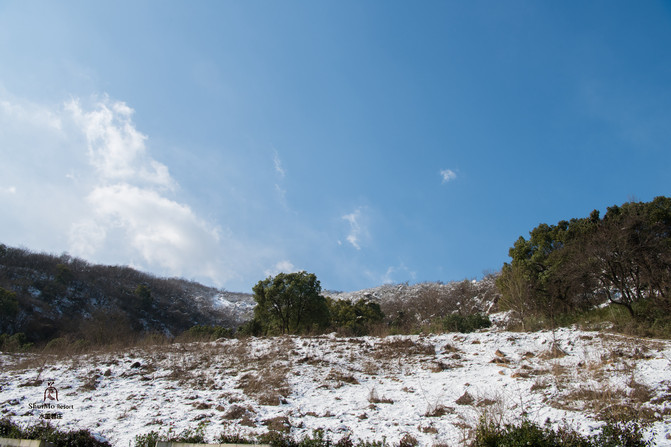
163,232
115,148
83,181
357,228
284,266
448,175
282,194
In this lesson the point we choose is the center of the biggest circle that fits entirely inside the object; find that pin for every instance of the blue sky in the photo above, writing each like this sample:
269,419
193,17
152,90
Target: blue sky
368,142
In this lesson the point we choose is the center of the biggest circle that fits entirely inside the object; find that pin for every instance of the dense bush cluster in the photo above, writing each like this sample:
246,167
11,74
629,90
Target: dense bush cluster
623,259
465,323
49,433
527,433
353,318
459,306
487,434
292,303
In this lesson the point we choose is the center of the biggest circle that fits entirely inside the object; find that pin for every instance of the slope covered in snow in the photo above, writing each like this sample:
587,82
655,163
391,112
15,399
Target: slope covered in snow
433,387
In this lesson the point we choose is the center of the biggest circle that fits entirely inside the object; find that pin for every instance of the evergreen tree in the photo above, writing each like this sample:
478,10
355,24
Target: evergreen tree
290,303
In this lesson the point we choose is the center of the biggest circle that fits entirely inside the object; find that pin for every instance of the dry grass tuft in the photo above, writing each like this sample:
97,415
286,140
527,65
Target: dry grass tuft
340,378
465,399
402,347
607,402
269,386
438,366
374,398
436,411
238,412
371,368
90,383
279,424
554,352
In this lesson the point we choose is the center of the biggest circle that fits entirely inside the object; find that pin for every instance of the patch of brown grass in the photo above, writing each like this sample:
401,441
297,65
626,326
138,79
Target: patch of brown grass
269,386
238,412
554,352
436,411
340,378
402,347
610,403
278,424
465,399
371,368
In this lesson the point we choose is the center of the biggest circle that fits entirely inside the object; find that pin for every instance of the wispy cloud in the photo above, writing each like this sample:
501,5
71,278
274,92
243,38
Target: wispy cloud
357,228
391,276
278,164
448,175
281,173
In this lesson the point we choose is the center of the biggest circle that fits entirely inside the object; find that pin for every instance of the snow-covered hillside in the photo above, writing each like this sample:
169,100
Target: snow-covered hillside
433,387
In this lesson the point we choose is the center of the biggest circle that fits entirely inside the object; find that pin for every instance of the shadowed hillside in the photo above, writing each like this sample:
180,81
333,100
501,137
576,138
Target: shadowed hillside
45,296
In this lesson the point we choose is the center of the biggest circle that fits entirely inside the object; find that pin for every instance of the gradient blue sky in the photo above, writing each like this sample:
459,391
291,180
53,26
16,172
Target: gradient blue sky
365,141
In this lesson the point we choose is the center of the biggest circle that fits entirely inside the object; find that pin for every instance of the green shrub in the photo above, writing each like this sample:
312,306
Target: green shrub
14,343
189,435
9,430
465,323
147,440
621,434
353,318
235,438
613,434
47,432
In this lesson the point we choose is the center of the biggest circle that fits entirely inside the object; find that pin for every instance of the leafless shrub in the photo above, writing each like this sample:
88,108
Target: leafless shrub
374,398
541,383
486,402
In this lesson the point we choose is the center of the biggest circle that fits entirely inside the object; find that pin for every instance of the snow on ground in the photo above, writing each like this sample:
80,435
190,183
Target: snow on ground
433,387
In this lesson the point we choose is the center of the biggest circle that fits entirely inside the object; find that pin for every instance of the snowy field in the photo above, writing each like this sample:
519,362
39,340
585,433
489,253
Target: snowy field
433,387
